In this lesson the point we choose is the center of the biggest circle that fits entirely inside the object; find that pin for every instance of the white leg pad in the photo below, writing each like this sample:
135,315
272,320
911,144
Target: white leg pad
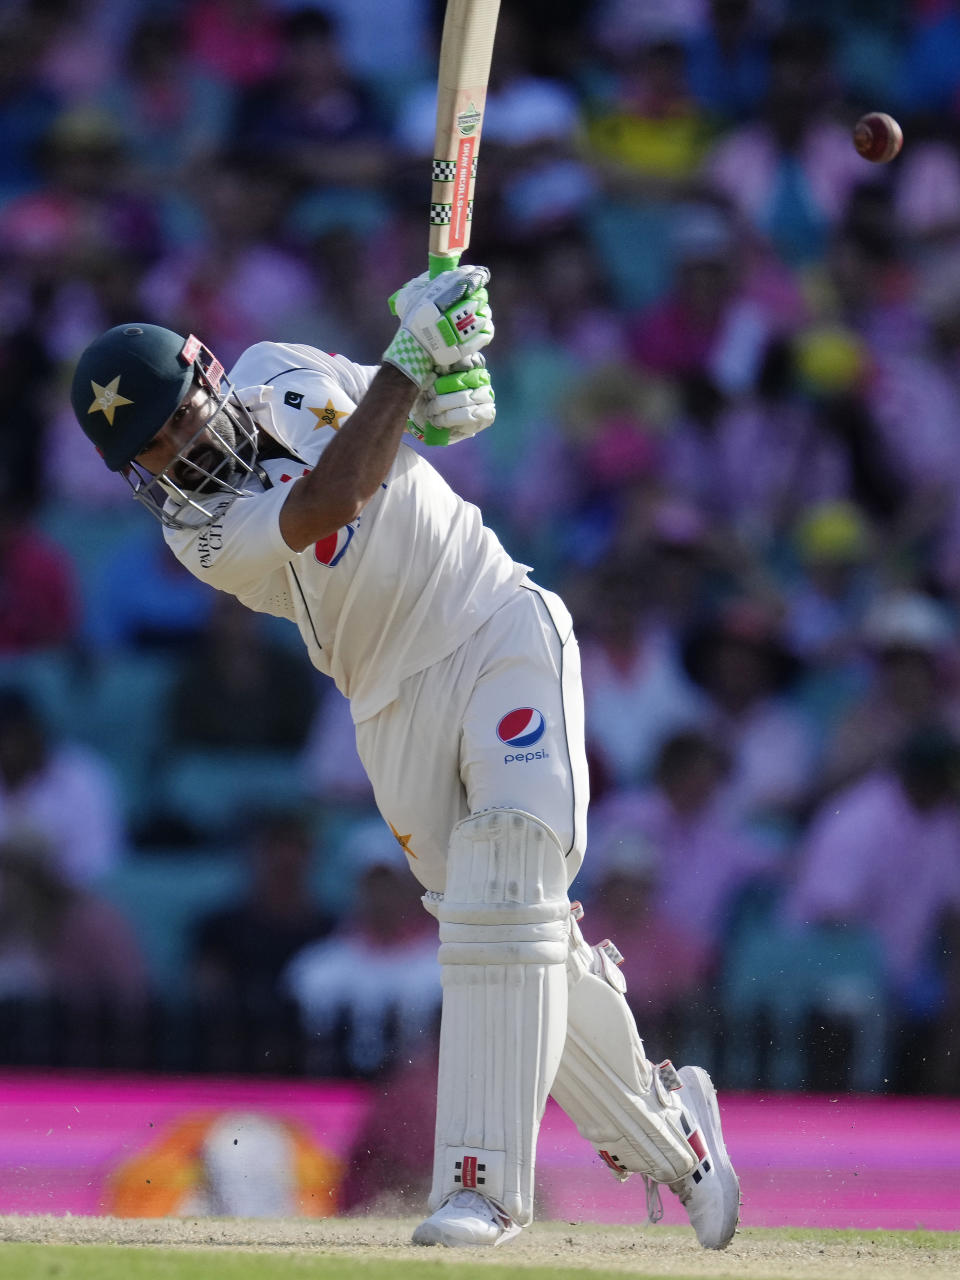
618,1100
503,948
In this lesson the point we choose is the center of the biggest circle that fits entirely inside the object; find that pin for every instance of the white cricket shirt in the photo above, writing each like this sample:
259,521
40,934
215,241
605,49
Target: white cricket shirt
386,596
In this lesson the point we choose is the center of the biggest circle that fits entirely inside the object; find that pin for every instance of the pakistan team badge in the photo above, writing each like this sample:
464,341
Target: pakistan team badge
107,400
328,416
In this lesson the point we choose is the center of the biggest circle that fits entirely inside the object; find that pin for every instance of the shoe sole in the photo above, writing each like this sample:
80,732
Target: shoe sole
430,1234
426,1235
699,1083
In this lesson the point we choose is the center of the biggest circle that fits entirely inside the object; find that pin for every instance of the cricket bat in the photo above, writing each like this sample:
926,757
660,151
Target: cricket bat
466,49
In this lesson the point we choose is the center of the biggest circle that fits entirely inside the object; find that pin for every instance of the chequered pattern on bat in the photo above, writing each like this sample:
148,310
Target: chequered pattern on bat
446,170
440,213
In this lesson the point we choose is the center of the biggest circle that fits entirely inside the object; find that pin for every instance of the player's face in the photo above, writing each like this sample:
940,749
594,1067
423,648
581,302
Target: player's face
191,441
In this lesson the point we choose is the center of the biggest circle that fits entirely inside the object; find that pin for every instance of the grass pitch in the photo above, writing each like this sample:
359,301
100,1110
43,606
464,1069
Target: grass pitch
379,1249
108,1262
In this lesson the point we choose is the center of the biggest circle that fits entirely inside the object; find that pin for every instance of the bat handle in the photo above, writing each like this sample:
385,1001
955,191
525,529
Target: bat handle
440,262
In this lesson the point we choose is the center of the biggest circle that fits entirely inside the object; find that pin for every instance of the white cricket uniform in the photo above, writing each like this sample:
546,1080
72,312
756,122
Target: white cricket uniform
462,675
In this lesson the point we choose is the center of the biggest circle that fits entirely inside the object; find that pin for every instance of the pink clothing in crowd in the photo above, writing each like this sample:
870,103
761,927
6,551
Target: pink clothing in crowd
38,605
745,166
635,702
871,858
704,859
759,465
92,955
916,404
96,951
665,960
772,751
238,40
73,803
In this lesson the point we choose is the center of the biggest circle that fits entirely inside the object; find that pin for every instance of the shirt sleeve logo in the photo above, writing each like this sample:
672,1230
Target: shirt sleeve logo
328,416
329,550
294,399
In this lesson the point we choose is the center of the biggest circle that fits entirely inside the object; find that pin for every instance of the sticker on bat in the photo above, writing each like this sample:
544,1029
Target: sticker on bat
468,121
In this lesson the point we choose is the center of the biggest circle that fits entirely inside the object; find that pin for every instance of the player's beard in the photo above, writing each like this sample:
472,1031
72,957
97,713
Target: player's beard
209,453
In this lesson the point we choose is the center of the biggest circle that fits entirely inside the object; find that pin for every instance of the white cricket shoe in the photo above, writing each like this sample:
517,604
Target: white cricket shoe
711,1193
466,1218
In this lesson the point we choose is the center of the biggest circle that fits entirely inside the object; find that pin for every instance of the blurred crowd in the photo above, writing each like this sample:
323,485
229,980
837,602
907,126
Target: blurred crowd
727,367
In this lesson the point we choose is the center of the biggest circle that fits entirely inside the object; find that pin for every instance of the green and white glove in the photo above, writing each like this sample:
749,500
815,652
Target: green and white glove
458,405
442,322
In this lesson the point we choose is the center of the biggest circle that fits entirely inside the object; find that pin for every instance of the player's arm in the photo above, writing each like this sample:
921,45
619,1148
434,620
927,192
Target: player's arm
443,322
353,465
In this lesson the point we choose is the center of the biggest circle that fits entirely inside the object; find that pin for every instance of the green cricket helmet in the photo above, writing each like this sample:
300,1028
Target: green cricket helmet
128,383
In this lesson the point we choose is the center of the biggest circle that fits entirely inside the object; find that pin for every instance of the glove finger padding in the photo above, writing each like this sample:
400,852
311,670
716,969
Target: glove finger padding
444,290
443,322
459,403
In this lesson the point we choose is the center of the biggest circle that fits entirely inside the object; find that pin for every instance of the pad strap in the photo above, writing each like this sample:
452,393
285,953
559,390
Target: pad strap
615,1096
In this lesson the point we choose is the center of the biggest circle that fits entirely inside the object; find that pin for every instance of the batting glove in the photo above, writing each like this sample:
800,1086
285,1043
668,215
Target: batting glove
458,405
442,322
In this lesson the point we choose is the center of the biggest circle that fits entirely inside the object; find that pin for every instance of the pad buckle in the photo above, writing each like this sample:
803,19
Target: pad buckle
668,1076
611,951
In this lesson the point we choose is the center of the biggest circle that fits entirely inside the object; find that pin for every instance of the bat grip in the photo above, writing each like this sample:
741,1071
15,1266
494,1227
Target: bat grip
440,262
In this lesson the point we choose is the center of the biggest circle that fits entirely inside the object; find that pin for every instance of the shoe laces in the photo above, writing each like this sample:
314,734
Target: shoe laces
481,1205
654,1202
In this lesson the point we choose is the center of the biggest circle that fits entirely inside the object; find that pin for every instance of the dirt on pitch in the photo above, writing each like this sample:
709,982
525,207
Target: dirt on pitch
648,1250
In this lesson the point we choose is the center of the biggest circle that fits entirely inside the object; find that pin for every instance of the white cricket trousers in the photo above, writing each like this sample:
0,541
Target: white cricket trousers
498,723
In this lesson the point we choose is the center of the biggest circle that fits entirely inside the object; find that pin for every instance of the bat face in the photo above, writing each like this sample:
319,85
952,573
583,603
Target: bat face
452,212
466,48
465,53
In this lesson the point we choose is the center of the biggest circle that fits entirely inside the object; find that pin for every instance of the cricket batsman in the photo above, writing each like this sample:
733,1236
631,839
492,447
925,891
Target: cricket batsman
289,485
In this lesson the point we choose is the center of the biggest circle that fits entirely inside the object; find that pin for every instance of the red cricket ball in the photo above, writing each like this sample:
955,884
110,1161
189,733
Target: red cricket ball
877,137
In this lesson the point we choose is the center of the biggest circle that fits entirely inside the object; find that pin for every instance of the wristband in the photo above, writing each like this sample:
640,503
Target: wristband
407,355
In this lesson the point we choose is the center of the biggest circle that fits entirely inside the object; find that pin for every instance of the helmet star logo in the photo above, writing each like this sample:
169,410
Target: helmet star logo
107,400
328,416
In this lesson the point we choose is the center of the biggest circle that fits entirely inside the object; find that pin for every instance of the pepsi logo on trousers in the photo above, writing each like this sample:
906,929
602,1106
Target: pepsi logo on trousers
521,727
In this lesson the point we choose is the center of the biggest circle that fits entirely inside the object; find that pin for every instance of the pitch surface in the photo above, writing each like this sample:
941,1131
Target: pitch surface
379,1247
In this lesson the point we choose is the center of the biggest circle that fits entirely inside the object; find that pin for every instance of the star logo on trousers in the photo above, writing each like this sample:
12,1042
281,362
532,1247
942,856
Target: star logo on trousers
402,840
